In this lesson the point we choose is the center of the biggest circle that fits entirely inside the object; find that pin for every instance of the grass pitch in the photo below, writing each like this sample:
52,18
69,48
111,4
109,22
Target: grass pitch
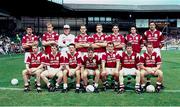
12,66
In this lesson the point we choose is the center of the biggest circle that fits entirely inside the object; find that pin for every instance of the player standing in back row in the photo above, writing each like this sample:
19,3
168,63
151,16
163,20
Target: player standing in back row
135,39
49,38
117,39
155,37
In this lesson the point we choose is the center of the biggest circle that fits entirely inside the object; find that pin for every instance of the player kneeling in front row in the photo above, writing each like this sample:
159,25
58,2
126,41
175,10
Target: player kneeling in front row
73,63
90,66
34,66
110,65
151,64
54,62
130,66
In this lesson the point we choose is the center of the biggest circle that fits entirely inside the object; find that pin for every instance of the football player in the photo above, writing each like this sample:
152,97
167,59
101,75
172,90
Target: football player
54,62
91,66
129,66
73,64
82,40
135,39
49,38
28,40
110,65
99,41
34,66
155,37
151,64
117,39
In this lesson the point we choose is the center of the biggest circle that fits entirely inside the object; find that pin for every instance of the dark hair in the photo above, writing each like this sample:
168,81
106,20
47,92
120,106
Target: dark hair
98,25
82,25
90,49
132,26
29,27
129,44
152,22
116,25
72,44
110,43
54,45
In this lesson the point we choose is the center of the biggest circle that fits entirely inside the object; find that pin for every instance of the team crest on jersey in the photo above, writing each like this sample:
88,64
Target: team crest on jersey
87,62
38,58
94,60
32,38
125,57
136,38
108,56
114,55
102,38
133,57
155,35
57,58
118,37
53,36
153,57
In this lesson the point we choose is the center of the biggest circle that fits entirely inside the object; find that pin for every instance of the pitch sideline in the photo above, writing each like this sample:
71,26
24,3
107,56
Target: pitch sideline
20,89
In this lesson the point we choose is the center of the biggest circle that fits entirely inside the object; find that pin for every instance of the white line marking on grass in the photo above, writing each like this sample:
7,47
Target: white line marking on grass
16,89
5,88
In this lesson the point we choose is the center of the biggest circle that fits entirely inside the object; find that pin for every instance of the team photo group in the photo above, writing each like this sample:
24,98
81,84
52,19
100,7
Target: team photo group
98,55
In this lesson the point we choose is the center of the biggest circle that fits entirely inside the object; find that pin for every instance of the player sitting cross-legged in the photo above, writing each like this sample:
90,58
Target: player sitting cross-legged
34,66
72,63
130,66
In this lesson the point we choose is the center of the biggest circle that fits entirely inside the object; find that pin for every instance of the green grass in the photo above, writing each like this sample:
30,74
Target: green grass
11,67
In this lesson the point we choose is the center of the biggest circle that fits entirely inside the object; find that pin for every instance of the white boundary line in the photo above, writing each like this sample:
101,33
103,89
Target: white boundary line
17,89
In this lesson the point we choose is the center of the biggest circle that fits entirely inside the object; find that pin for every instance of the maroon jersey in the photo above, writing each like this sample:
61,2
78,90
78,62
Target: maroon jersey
129,61
99,39
136,41
150,60
83,39
116,38
155,37
73,60
49,37
54,61
29,39
110,59
91,63
35,60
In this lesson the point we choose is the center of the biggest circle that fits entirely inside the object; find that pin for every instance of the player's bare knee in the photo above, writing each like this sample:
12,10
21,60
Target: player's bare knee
24,72
160,73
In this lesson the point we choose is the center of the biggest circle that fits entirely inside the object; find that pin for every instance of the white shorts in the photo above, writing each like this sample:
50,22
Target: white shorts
90,72
72,71
128,71
110,71
26,56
